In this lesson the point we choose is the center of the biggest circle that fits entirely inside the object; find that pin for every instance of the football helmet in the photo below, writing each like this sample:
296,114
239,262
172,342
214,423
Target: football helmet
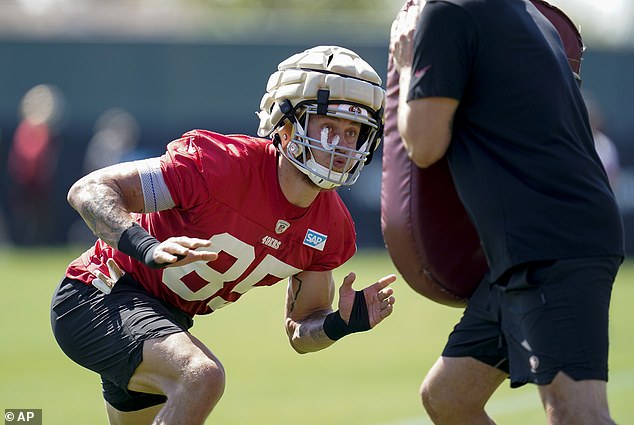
331,81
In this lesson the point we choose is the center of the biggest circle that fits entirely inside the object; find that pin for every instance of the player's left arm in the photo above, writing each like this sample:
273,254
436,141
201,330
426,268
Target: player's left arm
311,323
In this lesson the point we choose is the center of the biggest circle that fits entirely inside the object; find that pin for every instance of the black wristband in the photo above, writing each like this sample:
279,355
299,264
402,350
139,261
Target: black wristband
336,328
140,245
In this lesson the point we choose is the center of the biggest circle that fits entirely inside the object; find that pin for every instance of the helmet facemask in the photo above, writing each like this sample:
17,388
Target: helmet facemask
302,150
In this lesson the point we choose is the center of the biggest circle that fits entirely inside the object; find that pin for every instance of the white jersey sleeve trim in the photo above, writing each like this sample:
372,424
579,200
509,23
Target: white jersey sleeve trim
156,195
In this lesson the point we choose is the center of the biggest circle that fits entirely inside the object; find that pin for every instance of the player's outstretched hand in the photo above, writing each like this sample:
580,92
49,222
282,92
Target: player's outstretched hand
181,250
379,298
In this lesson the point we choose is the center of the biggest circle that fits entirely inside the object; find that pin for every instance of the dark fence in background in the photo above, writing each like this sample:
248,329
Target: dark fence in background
173,87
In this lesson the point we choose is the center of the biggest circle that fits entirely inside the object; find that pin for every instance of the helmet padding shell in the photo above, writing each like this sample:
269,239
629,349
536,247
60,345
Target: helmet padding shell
324,76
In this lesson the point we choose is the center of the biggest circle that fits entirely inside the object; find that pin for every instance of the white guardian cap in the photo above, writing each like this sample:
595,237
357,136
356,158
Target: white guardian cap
324,80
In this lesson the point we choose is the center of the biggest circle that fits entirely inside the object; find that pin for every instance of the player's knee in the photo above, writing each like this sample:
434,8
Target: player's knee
432,398
438,401
206,377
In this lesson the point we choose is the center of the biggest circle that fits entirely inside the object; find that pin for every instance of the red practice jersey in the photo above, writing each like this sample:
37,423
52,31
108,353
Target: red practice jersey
226,189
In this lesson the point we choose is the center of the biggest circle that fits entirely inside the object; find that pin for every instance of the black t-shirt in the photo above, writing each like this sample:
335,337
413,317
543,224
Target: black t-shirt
522,154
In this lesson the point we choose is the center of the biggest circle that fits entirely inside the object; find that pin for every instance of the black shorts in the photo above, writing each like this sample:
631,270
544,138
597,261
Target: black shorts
539,319
105,333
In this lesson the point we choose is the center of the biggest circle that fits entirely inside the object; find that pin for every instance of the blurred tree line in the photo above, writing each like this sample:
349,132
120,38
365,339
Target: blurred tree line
366,21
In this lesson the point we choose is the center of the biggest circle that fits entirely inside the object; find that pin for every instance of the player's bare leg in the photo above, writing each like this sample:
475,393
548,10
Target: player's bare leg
567,401
186,371
456,390
144,416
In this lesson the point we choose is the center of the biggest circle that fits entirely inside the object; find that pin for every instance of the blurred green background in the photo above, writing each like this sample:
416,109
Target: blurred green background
365,379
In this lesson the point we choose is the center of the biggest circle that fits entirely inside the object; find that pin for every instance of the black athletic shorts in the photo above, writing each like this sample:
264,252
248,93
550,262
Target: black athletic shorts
105,333
539,319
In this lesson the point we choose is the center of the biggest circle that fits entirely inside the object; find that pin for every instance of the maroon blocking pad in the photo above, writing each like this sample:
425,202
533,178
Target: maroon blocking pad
426,229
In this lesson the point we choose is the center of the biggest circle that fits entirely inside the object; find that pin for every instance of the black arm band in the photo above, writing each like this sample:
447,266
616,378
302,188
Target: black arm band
140,245
336,328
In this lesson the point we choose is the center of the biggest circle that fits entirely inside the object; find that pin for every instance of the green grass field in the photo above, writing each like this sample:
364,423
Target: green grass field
365,379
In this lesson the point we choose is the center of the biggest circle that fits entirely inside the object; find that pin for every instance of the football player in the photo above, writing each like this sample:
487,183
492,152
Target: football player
191,231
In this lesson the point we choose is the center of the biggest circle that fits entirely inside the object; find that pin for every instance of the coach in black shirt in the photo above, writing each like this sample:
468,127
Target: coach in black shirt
490,87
